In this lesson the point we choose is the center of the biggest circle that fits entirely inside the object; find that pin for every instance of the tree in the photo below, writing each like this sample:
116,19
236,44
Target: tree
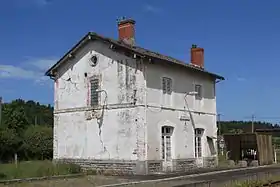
14,117
244,126
38,142
18,133
9,143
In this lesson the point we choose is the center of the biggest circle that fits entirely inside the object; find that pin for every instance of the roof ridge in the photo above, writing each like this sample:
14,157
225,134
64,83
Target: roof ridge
137,49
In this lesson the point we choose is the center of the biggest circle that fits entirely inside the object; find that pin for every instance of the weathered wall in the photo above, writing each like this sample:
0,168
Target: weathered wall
120,76
158,114
115,131
122,129
114,138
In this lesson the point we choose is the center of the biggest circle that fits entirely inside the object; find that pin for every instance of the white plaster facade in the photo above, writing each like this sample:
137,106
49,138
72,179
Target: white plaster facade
126,126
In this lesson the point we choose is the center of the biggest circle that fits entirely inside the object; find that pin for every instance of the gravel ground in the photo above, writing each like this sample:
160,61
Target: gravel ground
90,181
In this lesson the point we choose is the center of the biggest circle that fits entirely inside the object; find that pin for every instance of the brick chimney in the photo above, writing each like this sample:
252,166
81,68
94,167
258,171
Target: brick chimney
197,56
126,31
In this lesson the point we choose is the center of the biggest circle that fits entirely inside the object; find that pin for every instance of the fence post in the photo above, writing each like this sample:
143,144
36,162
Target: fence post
16,160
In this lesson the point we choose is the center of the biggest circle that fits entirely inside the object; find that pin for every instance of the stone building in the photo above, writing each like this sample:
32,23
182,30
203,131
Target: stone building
120,106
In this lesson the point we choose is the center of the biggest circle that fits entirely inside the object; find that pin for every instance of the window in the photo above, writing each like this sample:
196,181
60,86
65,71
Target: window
198,147
211,145
166,133
166,97
198,90
94,86
166,85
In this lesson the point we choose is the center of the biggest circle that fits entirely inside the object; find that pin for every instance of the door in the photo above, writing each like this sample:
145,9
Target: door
166,141
198,147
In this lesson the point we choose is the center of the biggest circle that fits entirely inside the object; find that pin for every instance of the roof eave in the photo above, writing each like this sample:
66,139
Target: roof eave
91,35
219,77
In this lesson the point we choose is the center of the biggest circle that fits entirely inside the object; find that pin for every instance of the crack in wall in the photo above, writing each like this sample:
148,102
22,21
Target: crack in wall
100,120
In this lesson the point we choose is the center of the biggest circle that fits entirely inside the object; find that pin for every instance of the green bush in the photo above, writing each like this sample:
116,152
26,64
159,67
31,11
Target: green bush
2,176
30,169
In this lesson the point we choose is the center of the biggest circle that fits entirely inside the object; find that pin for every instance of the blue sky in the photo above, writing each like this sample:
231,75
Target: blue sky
240,39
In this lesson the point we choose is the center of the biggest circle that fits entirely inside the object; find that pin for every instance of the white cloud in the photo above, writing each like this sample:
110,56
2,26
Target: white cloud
32,69
9,71
41,64
150,8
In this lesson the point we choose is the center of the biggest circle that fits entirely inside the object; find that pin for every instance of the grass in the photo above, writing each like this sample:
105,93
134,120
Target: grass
31,169
258,183
84,181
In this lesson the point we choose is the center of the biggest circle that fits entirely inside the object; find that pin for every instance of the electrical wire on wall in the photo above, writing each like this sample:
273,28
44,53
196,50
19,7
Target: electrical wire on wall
188,110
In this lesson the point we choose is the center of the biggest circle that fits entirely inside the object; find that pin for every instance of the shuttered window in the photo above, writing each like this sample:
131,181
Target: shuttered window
94,83
166,85
198,90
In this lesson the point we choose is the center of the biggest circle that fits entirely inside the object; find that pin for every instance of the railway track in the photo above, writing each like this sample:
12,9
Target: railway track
275,183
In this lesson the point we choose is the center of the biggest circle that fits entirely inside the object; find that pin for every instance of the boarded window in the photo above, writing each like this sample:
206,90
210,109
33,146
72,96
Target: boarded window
198,90
94,83
166,85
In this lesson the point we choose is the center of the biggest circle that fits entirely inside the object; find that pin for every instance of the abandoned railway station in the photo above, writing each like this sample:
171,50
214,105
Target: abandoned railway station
123,107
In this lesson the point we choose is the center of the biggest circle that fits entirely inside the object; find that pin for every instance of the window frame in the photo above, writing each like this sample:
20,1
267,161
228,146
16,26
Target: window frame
198,134
166,142
164,85
198,96
97,103
166,96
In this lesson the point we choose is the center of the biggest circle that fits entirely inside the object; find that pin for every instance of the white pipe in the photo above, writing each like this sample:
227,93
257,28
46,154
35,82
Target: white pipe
227,155
275,156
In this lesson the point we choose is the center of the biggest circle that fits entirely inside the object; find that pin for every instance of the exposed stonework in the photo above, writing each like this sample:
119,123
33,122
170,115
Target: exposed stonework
119,167
154,166
184,164
210,162
132,167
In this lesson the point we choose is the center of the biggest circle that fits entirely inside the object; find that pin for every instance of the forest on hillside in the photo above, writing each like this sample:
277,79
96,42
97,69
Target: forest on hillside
243,126
27,130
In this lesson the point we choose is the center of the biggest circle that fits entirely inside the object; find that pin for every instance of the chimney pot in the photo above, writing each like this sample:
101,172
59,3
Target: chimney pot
127,31
197,56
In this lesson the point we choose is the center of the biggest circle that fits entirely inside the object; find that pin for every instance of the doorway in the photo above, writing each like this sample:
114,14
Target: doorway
198,146
166,147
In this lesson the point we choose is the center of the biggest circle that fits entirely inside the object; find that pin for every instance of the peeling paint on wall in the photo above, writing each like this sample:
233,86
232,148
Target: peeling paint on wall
106,133
121,96
125,119
88,90
127,81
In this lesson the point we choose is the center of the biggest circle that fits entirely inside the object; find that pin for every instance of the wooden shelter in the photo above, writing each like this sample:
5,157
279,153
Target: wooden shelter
259,143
